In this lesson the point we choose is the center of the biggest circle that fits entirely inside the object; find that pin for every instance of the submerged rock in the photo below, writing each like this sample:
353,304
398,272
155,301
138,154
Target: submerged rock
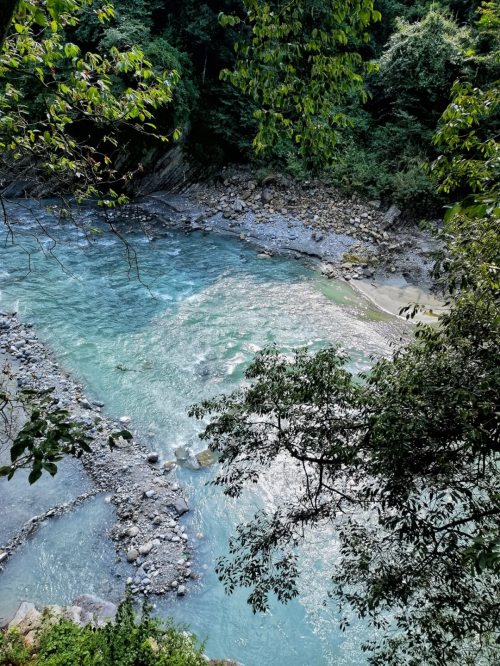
206,457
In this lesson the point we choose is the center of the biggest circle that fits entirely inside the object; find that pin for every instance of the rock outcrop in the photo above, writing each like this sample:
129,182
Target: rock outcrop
86,609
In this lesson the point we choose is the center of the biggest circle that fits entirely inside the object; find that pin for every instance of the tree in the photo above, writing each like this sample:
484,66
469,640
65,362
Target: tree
420,63
299,66
402,462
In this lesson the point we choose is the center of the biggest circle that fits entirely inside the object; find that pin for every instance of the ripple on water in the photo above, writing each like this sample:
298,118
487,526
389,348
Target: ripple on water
68,556
150,359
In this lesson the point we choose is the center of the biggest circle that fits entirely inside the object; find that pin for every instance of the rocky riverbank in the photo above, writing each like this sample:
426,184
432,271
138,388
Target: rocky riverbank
354,239
148,499
373,246
347,239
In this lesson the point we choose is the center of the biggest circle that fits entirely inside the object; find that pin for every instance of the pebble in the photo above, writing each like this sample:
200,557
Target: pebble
145,549
181,590
132,555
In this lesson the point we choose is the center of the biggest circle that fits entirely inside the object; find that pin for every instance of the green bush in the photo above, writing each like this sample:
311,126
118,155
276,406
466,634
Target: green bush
129,642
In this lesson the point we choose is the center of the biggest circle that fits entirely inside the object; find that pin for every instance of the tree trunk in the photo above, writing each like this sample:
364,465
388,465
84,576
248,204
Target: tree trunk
7,9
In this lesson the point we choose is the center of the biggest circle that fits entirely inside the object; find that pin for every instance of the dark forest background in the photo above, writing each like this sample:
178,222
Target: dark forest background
421,47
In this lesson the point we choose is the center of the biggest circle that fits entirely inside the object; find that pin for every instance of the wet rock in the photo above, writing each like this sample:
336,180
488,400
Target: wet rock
182,453
125,420
207,457
153,457
181,591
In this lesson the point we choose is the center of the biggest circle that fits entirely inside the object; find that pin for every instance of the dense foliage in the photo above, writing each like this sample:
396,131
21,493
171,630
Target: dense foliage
128,642
328,80
383,130
53,93
298,67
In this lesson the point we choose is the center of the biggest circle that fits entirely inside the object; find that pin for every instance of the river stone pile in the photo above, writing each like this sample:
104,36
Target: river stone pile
376,238
312,202
147,497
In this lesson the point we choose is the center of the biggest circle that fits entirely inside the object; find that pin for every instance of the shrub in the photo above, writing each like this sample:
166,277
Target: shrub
129,642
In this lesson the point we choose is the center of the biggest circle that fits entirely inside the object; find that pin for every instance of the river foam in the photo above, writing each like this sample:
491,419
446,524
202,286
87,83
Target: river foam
151,358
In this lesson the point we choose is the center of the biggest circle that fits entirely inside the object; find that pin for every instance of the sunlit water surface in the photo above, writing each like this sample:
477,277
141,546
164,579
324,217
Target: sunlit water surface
149,356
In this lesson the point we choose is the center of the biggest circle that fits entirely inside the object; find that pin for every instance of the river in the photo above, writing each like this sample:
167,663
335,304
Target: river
149,354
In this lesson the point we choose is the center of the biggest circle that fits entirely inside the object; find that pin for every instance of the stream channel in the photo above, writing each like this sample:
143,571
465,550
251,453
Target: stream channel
149,356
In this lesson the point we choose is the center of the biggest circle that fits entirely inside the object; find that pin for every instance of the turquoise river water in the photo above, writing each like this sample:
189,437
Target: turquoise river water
212,306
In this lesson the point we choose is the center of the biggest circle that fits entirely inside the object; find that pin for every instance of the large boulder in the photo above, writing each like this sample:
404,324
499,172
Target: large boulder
21,613
103,611
206,457
390,217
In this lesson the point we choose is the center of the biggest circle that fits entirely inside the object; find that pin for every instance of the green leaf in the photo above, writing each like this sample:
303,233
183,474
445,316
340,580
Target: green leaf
34,476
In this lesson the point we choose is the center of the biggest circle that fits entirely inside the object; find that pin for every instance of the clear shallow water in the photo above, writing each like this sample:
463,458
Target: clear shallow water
215,304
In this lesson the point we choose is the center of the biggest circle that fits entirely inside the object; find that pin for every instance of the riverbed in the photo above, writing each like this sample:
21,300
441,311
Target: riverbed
149,352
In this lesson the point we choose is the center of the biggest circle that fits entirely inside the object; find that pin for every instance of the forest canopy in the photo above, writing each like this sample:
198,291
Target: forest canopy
376,90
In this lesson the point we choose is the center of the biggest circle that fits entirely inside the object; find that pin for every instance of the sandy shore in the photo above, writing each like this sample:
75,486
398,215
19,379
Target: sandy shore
392,294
